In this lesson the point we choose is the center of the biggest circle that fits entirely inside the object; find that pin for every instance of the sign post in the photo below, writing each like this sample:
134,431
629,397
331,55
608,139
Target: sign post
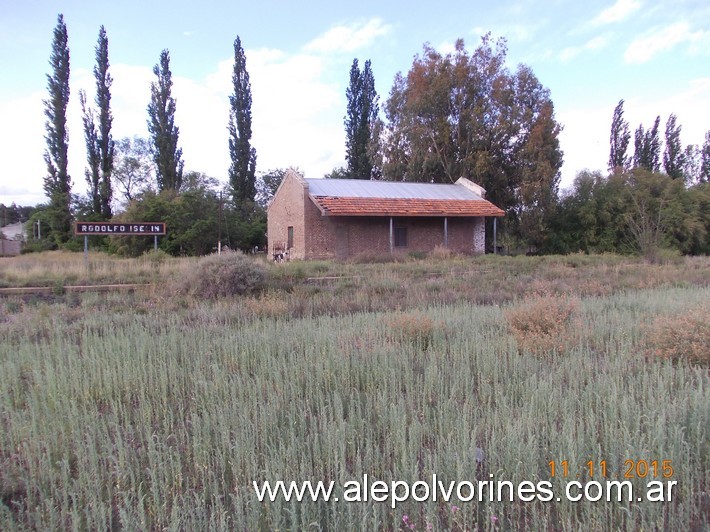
119,229
86,229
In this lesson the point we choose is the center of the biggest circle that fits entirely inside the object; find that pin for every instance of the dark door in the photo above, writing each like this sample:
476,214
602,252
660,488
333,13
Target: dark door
342,246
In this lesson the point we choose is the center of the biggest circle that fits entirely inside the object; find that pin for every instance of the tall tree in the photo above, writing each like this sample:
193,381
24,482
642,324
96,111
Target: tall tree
163,131
361,122
647,147
705,160
465,114
93,155
691,164
619,140
57,183
673,155
105,140
133,171
243,167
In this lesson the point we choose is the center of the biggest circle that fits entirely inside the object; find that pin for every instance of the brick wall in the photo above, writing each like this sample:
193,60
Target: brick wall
10,247
287,209
316,236
342,237
320,233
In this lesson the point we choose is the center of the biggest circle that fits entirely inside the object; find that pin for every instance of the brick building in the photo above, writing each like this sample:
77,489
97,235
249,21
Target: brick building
341,218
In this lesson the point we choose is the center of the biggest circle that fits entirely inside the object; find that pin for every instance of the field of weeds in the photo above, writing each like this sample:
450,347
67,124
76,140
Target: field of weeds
158,409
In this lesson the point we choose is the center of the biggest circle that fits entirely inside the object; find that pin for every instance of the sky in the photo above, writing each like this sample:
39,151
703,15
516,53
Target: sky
653,54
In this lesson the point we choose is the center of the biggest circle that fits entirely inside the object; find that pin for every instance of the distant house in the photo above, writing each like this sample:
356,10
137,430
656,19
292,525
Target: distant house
341,218
11,239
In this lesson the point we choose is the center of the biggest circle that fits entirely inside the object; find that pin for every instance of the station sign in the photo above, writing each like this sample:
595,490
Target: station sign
121,228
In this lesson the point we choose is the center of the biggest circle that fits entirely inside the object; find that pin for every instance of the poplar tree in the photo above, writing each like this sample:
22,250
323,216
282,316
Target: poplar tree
57,183
360,121
647,147
619,140
93,155
705,160
163,131
243,166
105,141
673,155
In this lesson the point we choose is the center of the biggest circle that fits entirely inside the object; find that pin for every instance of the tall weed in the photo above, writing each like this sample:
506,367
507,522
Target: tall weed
684,336
544,323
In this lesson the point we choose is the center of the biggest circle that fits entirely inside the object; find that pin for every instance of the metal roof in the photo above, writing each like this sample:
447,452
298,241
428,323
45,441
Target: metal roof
362,188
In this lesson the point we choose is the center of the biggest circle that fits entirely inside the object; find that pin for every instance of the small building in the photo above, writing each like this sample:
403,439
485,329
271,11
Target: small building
11,238
341,218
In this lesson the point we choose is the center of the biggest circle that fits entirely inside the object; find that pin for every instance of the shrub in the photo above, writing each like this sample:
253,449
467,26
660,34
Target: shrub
155,257
440,253
417,255
414,327
683,336
269,305
369,257
543,323
225,275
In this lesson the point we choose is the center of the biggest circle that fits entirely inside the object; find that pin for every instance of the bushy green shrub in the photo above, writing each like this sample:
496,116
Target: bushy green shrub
156,257
225,275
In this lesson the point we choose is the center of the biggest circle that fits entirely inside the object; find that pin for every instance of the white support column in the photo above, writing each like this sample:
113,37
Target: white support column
391,235
446,232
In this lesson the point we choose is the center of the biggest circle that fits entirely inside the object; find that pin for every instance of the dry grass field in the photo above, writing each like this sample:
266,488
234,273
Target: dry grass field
157,409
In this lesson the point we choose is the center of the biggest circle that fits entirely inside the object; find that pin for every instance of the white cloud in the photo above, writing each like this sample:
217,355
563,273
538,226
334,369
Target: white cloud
618,12
597,43
515,33
23,135
349,38
659,39
685,104
298,116
202,116
583,140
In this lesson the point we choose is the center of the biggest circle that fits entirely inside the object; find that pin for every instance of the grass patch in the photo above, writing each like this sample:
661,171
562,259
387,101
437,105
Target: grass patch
158,410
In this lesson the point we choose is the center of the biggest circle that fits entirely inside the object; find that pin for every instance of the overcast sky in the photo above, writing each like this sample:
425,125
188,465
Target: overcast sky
653,54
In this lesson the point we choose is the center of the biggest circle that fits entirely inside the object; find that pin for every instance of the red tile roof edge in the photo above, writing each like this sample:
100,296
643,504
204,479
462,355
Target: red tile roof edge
356,206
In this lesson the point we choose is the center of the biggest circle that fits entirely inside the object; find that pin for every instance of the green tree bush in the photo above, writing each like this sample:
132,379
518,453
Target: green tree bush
632,212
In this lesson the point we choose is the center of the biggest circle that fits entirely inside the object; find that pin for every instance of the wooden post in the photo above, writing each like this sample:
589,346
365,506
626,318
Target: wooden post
495,235
446,232
219,225
86,251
